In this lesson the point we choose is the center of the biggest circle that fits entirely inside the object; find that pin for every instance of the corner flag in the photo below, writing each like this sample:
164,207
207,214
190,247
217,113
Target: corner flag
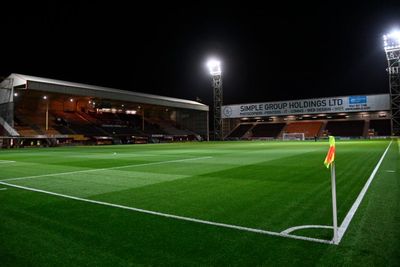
330,157
330,162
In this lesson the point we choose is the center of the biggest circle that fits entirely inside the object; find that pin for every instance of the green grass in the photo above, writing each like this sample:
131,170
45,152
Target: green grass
266,185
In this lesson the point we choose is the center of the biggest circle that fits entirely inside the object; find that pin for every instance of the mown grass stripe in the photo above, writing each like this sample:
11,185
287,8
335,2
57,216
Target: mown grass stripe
347,220
104,169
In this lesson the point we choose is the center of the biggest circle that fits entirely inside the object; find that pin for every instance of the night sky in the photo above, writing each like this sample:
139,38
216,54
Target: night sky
271,52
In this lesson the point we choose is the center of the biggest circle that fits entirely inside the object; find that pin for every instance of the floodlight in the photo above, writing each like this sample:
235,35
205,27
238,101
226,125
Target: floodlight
15,94
392,40
214,66
45,97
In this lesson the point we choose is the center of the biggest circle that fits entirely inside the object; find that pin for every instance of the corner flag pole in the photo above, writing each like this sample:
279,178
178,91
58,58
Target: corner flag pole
333,178
330,162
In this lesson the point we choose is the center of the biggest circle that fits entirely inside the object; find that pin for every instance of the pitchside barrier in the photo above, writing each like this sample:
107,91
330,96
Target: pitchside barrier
34,141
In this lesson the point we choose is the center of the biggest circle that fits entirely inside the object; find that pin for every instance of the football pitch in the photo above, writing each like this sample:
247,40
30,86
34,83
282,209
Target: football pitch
209,203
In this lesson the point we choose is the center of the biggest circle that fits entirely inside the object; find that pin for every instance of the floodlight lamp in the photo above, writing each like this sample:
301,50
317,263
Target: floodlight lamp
214,66
392,40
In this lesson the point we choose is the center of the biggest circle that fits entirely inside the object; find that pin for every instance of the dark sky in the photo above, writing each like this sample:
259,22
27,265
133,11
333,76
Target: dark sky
269,51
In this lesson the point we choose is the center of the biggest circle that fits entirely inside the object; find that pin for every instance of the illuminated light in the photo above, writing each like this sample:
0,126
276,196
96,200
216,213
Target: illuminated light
122,105
392,40
71,100
15,94
347,116
329,117
382,114
90,102
214,66
45,97
94,103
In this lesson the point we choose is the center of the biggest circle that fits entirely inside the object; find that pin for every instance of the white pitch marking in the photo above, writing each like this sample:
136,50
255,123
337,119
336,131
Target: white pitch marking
1,189
292,229
6,161
390,171
345,224
398,144
231,226
104,169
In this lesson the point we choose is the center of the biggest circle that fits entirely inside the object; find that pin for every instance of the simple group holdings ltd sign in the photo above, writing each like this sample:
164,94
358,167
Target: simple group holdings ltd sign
309,106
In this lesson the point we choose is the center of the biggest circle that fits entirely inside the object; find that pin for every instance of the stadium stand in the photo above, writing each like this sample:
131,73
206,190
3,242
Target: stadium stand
310,129
169,128
240,130
345,128
78,124
267,130
64,112
380,127
31,124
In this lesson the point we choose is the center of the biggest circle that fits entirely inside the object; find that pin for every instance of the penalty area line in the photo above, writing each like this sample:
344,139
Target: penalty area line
346,222
182,218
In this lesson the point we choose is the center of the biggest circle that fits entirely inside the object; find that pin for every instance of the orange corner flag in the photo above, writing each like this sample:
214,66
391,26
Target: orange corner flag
330,157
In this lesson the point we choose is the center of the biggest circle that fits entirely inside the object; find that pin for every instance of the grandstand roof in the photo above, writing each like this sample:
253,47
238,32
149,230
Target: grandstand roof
71,88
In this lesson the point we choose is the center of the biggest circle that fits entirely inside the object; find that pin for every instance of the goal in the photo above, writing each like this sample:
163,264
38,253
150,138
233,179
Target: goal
293,136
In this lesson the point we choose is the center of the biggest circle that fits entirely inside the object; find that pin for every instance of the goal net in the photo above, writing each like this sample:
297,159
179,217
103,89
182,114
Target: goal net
293,136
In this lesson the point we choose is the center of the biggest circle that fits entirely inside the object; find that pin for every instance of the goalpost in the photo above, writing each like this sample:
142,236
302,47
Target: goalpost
293,136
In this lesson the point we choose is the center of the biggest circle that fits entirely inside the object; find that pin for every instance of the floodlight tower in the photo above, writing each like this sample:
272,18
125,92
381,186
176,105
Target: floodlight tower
216,73
392,49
